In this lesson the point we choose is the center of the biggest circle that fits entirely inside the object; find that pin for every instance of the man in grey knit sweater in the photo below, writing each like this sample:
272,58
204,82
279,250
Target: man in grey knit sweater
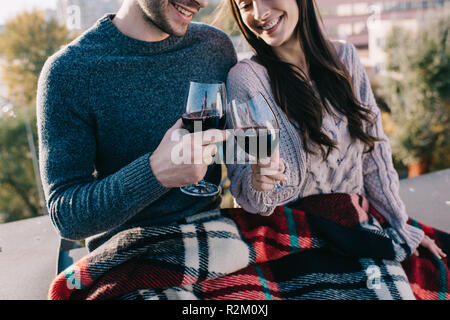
107,105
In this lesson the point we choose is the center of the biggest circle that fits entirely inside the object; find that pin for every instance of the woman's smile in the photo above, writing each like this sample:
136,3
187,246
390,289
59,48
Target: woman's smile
271,26
273,21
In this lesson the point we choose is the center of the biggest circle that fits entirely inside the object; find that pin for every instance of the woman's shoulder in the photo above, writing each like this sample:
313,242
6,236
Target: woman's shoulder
248,71
346,53
246,68
246,78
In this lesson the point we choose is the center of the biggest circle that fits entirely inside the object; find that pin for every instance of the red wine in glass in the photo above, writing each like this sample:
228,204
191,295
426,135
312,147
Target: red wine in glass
257,141
256,132
210,119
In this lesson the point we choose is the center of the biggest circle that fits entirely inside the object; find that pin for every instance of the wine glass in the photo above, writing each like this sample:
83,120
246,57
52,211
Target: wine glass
256,132
204,110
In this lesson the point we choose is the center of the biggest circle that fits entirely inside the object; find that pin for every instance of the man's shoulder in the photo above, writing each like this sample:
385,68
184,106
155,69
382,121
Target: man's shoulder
209,33
213,44
345,51
76,57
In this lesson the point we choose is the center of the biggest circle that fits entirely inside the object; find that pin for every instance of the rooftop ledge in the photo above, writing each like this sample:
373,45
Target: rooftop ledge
30,250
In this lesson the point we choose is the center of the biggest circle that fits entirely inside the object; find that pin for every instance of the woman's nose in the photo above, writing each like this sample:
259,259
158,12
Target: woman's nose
261,10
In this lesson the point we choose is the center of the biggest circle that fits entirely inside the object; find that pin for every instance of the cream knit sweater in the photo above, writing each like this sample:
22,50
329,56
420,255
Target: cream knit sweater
347,169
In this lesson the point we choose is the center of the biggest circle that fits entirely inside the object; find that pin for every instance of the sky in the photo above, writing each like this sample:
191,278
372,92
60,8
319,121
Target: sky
9,8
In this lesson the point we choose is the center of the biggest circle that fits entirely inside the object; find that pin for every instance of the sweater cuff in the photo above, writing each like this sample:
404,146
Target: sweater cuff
139,182
413,236
257,197
254,196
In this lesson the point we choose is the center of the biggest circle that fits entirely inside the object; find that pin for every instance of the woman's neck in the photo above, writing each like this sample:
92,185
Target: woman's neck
292,52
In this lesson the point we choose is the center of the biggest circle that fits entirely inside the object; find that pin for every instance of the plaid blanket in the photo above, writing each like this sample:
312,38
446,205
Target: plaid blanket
332,246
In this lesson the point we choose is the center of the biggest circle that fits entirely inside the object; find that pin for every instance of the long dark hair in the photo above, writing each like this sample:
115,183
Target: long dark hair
291,87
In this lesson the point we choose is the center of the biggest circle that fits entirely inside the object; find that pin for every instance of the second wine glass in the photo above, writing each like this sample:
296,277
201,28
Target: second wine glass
257,133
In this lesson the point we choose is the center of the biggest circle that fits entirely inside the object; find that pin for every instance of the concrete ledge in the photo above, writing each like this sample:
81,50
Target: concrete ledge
27,259
427,199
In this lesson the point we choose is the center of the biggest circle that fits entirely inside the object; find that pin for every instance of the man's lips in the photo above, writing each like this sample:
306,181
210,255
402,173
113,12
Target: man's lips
184,15
191,9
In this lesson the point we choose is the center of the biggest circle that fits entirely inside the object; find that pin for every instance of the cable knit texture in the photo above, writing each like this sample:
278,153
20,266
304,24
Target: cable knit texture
347,169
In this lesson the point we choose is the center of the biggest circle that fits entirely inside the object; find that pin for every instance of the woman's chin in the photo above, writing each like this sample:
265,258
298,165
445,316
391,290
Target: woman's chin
273,42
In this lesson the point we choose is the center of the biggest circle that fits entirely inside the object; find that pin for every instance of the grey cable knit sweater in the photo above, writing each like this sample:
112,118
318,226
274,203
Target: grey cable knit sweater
347,170
104,103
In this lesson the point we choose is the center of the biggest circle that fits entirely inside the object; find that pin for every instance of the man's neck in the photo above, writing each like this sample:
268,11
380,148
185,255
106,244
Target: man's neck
131,22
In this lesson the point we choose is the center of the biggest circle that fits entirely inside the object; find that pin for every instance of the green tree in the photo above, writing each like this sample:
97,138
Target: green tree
417,89
19,196
26,42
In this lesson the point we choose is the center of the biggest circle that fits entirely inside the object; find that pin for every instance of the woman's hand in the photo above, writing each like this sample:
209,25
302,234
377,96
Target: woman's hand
268,172
429,243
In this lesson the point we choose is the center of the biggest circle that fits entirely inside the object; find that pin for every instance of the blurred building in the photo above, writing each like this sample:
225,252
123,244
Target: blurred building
347,19
367,23
82,14
379,30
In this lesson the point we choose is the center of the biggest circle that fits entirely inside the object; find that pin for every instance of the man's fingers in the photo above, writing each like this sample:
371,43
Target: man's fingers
177,125
213,136
176,132
209,151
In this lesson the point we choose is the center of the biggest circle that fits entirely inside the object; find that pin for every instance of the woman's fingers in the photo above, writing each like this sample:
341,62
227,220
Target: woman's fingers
266,174
261,186
269,167
439,252
435,250
431,245
264,187
273,179
274,176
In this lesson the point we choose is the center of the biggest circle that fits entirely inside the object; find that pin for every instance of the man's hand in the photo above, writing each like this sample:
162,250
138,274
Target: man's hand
429,243
172,174
268,172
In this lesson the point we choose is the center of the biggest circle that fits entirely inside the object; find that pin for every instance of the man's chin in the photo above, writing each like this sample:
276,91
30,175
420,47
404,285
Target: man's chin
179,31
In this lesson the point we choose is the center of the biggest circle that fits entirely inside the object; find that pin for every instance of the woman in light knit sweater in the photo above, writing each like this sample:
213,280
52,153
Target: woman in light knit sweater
331,138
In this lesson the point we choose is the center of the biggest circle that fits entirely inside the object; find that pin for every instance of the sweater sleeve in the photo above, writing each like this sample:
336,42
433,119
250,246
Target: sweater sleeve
242,84
381,182
79,205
